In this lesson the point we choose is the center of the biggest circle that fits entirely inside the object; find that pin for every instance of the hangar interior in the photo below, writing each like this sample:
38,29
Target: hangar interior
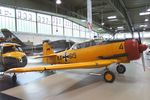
34,21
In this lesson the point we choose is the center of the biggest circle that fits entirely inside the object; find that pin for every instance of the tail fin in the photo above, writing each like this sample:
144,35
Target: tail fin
47,50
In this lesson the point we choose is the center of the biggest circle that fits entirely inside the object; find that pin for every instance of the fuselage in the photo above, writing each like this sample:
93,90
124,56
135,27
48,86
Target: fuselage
91,53
123,50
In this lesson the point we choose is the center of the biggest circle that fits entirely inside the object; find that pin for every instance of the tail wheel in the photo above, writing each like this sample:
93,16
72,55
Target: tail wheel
109,76
121,69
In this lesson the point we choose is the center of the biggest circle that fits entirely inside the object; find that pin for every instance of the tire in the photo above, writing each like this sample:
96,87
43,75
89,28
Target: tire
121,69
109,76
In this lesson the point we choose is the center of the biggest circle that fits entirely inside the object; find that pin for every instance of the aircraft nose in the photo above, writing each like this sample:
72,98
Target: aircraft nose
10,62
142,47
132,49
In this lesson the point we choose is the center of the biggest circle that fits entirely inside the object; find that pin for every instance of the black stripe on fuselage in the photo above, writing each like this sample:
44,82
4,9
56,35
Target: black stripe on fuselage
113,56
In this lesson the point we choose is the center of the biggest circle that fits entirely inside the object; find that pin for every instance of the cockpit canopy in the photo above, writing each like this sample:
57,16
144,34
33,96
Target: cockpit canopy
86,44
9,47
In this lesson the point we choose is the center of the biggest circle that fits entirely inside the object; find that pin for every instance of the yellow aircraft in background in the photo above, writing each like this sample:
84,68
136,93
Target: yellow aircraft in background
11,55
90,54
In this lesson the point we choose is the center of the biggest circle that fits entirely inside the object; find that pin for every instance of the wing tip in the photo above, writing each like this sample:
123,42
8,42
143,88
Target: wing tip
10,71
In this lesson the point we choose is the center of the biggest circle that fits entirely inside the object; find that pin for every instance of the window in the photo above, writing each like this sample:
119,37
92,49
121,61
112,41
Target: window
57,25
92,34
26,21
146,35
95,34
136,35
87,33
13,48
119,36
67,27
76,30
44,23
108,36
82,31
7,18
128,35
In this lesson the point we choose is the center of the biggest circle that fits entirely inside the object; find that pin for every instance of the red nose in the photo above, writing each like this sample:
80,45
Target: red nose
132,49
142,47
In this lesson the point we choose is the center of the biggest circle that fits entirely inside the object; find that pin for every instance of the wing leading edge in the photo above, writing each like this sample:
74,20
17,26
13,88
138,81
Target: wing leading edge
82,65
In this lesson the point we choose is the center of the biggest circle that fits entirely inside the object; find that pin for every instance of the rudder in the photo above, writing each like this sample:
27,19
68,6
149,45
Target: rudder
47,50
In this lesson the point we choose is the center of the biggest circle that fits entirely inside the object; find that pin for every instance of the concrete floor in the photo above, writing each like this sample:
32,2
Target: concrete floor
6,80
79,85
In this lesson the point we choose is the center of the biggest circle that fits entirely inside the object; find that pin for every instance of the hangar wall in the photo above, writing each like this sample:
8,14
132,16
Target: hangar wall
35,37
45,7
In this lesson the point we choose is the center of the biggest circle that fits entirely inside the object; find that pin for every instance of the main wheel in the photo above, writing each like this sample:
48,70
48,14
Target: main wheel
121,69
14,78
109,76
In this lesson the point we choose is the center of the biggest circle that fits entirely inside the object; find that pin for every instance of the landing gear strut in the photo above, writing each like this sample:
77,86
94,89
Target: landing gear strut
121,69
109,76
14,78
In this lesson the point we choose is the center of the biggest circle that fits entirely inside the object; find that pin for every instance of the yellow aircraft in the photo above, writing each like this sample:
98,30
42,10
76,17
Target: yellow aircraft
90,54
11,55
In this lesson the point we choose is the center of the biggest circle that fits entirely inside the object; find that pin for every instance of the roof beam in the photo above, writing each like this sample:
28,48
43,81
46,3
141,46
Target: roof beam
120,7
142,6
104,12
96,22
70,13
102,5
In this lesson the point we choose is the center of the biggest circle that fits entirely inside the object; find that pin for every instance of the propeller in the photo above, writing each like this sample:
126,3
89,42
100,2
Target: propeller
142,54
140,42
143,61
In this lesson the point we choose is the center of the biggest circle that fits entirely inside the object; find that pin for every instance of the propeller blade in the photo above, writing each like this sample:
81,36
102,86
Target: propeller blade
140,42
143,61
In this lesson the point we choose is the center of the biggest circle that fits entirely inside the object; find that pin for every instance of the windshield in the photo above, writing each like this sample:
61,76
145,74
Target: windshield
13,48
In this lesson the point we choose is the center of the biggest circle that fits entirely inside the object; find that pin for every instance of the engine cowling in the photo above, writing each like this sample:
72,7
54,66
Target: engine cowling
133,49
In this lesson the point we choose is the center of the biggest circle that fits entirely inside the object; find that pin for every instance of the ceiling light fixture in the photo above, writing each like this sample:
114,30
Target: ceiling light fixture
58,2
143,25
120,28
113,20
99,29
148,9
146,20
102,24
144,13
112,17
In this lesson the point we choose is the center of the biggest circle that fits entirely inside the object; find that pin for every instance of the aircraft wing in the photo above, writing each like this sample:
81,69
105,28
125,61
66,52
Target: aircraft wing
82,65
